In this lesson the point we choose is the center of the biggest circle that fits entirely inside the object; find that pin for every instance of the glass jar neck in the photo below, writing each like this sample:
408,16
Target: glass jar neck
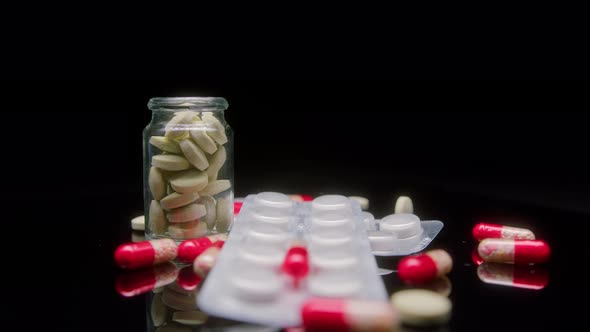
196,104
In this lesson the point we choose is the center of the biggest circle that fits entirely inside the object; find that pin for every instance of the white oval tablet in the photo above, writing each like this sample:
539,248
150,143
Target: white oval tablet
194,154
138,223
422,307
203,140
363,202
170,162
404,225
177,126
158,310
191,318
165,144
256,286
188,230
189,182
157,219
179,301
176,200
330,202
273,199
210,206
186,213
381,241
215,187
225,215
403,204
216,162
156,183
216,129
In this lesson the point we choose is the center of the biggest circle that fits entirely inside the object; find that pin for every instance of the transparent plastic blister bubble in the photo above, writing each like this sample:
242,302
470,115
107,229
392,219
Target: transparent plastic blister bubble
401,234
247,283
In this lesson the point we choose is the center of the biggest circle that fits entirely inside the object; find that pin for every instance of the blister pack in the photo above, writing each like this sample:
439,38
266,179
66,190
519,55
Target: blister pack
254,280
400,234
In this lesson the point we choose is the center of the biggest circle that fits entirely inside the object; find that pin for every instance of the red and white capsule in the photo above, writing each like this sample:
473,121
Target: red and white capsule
141,281
322,314
424,268
205,262
514,251
145,253
519,276
296,264
301,198
189,250
487,231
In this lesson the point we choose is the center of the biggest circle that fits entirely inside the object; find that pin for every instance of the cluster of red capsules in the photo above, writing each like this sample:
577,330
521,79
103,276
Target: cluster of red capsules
510,256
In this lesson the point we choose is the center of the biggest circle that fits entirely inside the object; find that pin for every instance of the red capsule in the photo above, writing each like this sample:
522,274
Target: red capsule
237,207
190,249
141,281
424,268
320,314
519,276
301,198
296,264
486,231
145,253
514,251
188,279
475,257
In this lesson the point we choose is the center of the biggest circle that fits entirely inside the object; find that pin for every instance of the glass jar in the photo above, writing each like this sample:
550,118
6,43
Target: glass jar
188,168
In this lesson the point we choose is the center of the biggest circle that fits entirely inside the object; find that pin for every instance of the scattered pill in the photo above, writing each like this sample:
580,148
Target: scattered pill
190,249
422,307
520,276
189,181
170,162
211,208
296,264
141,281
216,162
188,279
157,220
176,200
178,301
363,202
186,213
143,254
424,268
158,310
218,132
224,215
404,225
206,260
215,187
322,314
156,183
403,204
191,318
194,154
514,251
381,241
203,140
138,223
165,144
484,231
188,230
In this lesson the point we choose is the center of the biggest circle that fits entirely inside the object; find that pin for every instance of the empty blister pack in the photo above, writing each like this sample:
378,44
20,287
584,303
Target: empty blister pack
249,281
401,234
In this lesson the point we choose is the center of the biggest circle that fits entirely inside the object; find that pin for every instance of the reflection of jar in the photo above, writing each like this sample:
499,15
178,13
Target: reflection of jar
188,168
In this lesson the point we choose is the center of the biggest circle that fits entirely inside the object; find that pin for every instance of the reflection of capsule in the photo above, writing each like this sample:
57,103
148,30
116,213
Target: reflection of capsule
190,249
485,231
146,253
513,275
296,264
322,314
475,257
188,279
141,281
514,251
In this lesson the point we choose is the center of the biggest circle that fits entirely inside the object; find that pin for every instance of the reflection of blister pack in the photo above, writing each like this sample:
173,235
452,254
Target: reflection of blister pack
401,234
246,282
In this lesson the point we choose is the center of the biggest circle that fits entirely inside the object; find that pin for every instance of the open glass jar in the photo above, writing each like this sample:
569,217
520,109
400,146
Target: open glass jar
188,168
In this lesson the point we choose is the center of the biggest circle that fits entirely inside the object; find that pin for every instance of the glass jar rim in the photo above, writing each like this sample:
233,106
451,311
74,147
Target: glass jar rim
176,103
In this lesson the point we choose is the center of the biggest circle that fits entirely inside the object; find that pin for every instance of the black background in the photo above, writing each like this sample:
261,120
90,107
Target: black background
461,149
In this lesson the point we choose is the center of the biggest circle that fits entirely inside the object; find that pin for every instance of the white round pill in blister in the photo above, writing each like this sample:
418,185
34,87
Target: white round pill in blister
404,225
262,256
330,202
272,199
272,216
329,219
267,234
256,284
337,263
326,285
381,241
326,239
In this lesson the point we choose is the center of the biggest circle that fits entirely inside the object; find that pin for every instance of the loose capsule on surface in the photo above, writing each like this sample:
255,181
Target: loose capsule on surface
485,230
142,254
514,251
424,268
